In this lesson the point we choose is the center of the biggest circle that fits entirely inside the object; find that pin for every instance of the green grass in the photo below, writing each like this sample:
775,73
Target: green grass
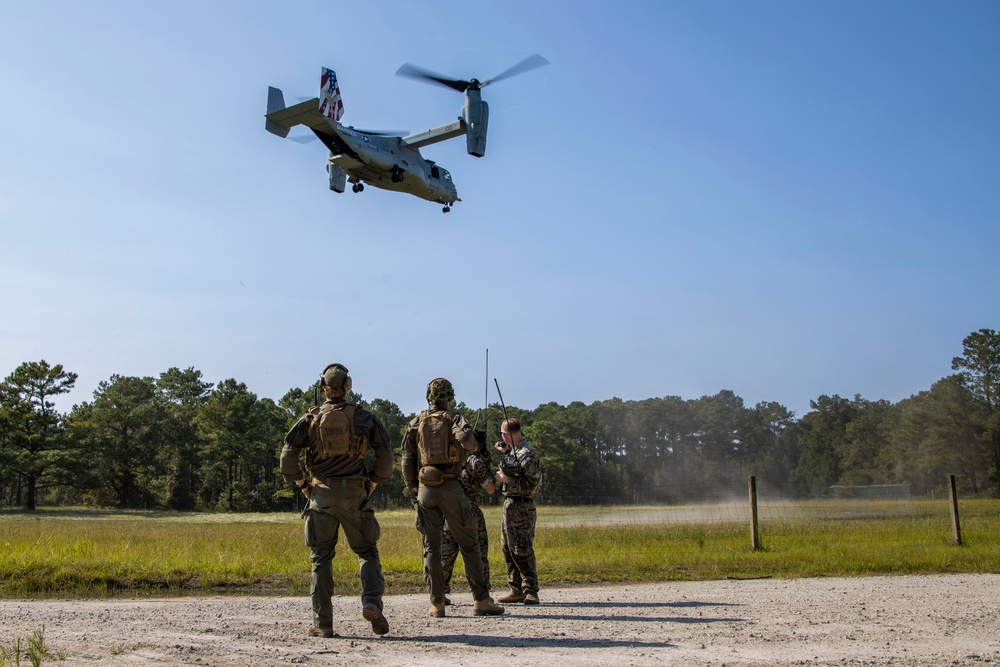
31,649
88,553
121,649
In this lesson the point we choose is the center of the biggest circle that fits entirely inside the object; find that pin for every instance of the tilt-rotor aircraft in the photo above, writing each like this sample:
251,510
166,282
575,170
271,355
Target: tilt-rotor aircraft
385,160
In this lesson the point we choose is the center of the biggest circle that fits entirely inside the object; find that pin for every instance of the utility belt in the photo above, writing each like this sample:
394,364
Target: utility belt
521,499
433,476
338,481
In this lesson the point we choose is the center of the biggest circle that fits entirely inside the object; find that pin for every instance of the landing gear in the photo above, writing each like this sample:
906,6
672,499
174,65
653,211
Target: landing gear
358,187
446,208
397,175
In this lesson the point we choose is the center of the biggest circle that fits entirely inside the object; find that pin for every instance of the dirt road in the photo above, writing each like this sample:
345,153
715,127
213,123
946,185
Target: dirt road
932,620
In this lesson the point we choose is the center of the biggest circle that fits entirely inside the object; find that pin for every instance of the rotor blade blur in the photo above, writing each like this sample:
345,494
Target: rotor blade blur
415,72
304,139
534,61
382,133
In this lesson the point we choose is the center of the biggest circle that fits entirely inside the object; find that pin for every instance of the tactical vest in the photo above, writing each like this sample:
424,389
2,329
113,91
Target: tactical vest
331,433
434,439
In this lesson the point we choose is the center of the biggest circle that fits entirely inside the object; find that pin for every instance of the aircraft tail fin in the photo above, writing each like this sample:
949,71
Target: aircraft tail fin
275,102
330,103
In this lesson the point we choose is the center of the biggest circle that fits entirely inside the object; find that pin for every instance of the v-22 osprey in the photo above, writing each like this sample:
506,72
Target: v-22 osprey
385,160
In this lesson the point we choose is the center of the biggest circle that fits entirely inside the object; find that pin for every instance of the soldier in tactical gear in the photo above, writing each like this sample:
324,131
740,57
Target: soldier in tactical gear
335,437
435,448
520,476
476,476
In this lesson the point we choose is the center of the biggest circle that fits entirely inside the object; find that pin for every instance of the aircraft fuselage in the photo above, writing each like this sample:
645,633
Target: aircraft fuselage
385,162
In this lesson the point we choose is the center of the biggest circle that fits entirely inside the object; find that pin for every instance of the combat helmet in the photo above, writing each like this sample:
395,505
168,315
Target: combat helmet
336,376
440,389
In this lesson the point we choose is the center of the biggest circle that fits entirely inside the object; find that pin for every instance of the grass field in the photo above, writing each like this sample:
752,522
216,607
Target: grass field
89,553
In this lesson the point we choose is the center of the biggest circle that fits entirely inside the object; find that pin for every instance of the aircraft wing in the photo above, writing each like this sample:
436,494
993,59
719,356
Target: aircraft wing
455,128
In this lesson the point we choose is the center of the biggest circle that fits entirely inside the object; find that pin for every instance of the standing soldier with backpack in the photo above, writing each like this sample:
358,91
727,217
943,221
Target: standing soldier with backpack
335,437
435,447
476,476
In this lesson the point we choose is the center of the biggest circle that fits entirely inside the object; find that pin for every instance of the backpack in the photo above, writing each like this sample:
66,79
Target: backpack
331,433
434,439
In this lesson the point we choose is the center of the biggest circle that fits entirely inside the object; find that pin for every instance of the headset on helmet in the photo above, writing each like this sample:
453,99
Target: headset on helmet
336,376
439,389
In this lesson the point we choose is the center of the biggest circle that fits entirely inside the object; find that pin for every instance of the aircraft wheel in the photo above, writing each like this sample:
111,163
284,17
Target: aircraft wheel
355,187
361,187
397,177
446,209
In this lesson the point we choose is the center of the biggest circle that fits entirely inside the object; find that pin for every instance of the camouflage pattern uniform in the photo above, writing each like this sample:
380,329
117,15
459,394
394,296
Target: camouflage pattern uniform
339,499
517,523
475,477
445,501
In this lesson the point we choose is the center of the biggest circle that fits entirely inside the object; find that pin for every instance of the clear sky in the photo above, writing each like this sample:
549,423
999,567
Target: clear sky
784,199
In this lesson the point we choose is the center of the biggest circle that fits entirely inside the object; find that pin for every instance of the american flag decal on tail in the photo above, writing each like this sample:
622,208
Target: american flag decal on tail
330,104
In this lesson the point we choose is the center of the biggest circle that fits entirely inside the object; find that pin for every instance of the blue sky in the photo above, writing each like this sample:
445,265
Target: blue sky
784,199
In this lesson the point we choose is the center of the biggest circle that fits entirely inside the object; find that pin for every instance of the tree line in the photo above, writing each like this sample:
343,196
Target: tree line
179,442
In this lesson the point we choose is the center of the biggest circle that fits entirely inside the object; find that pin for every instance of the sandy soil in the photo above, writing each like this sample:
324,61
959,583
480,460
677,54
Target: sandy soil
933,620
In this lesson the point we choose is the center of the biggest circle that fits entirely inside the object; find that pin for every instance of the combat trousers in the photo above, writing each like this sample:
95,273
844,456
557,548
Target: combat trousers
435,505
517,534
325,514
449,550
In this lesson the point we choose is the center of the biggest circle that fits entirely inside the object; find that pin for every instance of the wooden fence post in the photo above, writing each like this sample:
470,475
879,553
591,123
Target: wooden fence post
954,510
754,534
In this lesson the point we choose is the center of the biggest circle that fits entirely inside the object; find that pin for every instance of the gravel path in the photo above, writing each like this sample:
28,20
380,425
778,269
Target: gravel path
912,620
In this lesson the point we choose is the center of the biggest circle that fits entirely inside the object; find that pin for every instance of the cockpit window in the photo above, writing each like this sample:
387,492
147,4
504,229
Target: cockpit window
435,172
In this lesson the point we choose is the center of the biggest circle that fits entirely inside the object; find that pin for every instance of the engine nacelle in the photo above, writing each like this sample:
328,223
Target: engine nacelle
476,114
338,177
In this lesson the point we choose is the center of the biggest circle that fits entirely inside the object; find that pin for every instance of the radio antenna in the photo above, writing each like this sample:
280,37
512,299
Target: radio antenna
486,395
501,399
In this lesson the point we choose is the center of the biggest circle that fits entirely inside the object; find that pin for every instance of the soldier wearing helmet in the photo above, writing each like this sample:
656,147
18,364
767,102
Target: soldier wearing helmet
335,437
475,478
435,448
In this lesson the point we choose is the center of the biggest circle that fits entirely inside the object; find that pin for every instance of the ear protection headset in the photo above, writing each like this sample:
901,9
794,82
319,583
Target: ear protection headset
345,383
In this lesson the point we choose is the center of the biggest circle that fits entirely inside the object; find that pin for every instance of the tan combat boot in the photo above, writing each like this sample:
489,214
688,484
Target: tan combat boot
486,607
320,632
531,598
513,596
436,610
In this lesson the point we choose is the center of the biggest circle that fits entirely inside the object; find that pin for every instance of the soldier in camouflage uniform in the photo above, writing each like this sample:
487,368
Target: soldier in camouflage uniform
335,437
520,476
435,447
476,476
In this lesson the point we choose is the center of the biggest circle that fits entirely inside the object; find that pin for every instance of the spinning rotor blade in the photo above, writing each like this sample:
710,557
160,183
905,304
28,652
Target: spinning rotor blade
382,133
310,138
415,72
533,61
